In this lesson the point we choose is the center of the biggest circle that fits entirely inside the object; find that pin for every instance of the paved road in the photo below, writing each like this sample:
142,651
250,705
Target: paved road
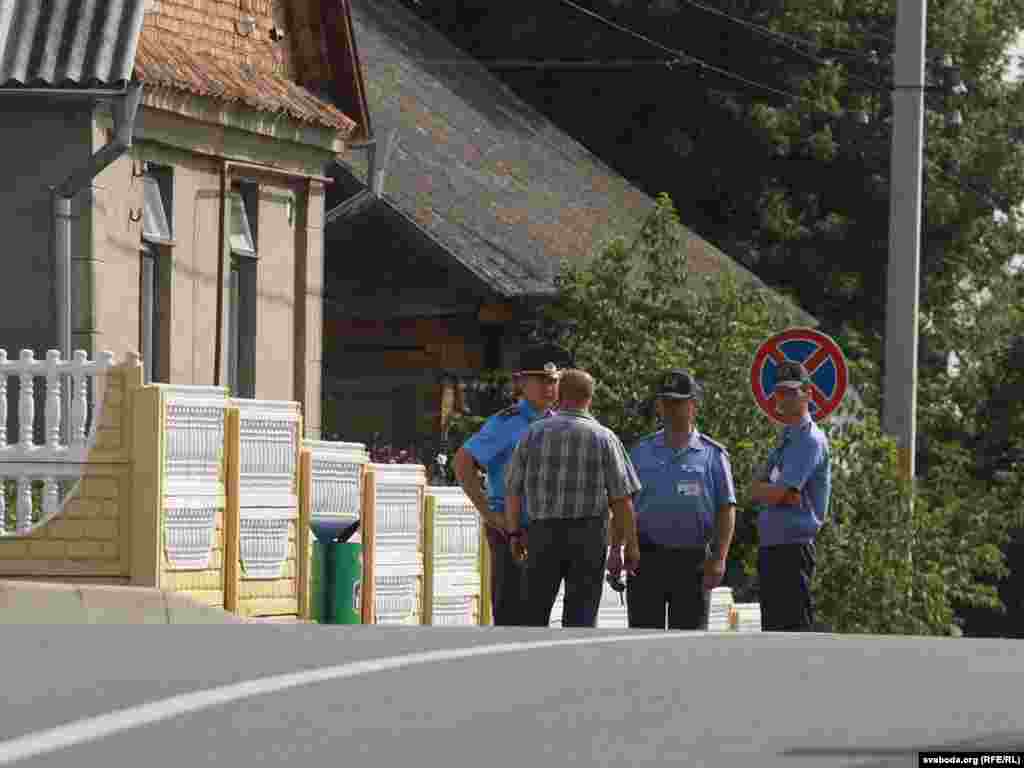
673,699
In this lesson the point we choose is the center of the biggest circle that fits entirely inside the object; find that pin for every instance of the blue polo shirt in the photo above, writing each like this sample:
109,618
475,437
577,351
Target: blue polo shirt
492,448
800,461
683,489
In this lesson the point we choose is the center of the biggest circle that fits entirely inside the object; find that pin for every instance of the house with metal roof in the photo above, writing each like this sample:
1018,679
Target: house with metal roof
447,229
164,180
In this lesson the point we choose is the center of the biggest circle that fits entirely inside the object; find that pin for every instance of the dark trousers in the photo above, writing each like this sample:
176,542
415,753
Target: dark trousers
573,550
784,573
667,577
507,582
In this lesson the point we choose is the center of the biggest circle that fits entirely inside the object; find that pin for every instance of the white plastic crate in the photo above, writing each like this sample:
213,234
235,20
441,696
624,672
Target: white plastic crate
454,611
746,617
456,549
397,499
719,609
395,600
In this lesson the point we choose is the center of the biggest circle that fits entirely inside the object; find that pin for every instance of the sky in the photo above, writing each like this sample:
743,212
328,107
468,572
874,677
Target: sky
1018,50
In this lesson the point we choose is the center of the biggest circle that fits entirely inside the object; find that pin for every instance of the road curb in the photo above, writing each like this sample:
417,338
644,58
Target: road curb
47,602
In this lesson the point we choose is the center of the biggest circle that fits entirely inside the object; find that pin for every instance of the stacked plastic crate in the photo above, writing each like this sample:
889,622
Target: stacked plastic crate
397,538
451,549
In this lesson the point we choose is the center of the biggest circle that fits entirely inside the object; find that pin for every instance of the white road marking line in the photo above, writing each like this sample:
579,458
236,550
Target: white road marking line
95,728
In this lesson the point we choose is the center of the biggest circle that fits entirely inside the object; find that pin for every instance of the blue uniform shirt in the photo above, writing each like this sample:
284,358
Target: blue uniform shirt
492,448
800,461
682,489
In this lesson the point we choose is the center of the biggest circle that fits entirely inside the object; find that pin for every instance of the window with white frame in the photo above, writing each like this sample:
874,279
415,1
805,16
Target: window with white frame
154,272
241,358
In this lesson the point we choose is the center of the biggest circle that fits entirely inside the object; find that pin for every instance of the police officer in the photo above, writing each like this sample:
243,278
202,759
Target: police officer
491,447
793,490
685,513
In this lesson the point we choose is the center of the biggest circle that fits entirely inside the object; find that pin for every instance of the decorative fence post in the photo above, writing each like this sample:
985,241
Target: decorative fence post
232,480
368,532
147,487
486,614
302,535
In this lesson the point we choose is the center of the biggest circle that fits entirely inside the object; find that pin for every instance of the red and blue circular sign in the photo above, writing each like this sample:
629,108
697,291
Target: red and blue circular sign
818,353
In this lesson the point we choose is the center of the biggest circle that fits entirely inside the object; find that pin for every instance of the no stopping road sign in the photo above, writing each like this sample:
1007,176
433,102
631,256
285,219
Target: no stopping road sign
818,353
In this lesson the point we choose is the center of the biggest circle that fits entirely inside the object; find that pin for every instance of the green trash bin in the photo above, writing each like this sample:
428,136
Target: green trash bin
337,577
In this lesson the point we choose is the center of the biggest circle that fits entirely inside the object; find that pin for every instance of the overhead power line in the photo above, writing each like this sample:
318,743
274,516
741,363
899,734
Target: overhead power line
682,56
792,39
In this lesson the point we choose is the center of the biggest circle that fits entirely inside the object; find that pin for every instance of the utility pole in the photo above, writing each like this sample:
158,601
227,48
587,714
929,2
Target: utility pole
903,282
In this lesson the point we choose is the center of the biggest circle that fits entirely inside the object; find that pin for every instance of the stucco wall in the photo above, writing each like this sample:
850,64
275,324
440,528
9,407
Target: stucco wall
289,249
275,316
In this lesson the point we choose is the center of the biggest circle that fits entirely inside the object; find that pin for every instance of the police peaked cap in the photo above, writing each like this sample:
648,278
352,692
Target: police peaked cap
790,374
677,384
544,360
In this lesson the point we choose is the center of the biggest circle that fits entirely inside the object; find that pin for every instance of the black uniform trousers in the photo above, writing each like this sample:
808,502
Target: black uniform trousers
569,550
668,576
784,573
507,582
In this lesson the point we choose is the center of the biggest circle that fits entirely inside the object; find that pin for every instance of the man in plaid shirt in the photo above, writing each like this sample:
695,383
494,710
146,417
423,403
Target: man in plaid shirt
570,469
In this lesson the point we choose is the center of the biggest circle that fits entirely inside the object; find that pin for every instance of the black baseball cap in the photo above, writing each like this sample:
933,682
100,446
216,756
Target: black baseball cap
677,384
790,374
544,360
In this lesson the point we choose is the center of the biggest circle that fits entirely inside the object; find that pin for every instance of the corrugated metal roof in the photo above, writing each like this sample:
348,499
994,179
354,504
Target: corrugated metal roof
68,43
160,62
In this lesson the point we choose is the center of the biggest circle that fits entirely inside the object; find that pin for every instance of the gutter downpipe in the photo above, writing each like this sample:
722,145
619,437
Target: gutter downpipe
374,175
125,110
370,145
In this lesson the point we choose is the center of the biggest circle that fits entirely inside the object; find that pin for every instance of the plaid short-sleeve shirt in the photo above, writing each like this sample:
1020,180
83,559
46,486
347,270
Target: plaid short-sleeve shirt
569,466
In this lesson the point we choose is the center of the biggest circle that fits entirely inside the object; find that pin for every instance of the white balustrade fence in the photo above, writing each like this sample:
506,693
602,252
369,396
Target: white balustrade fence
36,476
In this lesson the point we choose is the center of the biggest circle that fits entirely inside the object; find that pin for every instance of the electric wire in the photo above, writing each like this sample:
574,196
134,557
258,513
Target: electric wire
682,55
791,39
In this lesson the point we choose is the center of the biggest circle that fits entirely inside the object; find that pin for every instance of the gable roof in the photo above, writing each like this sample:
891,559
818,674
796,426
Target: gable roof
506,191
68,43
165,63
230,52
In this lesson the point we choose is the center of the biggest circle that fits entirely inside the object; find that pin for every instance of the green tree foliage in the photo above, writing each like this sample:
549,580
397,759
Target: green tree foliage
884,565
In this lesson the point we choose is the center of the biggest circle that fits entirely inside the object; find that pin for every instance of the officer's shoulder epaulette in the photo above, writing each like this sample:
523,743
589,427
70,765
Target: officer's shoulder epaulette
715,443
507,413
